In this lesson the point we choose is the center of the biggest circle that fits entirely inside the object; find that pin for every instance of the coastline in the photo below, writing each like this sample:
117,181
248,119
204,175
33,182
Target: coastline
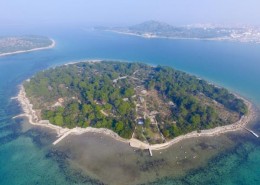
27,108
35,49
180,38
61,132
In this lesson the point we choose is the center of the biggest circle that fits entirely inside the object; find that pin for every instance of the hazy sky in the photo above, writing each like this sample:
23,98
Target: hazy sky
127,12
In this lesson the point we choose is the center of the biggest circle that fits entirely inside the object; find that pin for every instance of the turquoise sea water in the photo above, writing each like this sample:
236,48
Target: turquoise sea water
25,155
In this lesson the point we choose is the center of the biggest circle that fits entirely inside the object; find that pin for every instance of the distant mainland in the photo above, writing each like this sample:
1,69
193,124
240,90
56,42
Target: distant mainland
156,29
145,106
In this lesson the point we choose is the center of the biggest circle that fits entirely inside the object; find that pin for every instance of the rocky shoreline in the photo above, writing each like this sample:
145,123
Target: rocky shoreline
63,132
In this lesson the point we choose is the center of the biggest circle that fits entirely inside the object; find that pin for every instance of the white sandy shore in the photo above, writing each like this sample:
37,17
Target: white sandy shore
35,49
79,61
63,132
149,36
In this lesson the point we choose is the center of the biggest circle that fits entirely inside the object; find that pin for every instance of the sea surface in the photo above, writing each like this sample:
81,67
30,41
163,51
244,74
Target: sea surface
27,155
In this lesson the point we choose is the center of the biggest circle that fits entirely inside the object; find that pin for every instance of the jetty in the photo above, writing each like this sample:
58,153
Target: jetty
252,132
139,144
62,137
150,151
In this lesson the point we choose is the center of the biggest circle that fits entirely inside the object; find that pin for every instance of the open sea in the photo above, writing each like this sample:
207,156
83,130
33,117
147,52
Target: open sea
27,155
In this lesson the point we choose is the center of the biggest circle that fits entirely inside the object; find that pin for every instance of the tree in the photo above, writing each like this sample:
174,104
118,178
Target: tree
86,124
119,126
123,108
183,111
91,116
74,107
128,92
86,108
108,106
58,120
82,85
147,122
166,133
175,130
195,120
151,85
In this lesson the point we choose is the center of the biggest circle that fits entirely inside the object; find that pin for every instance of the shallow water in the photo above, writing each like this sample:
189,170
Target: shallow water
28,157
115,162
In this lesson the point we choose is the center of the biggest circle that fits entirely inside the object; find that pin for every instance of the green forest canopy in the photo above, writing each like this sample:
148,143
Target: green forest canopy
91,98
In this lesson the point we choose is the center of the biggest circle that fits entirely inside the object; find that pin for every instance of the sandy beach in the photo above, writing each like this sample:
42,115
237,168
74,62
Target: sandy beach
63,132
35,49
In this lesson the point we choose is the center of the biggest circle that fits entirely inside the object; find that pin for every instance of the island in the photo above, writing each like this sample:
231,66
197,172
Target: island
156,29
21,44
147,106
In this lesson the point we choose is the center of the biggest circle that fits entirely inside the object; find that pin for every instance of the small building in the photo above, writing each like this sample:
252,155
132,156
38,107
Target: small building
171,103
140,121
125,99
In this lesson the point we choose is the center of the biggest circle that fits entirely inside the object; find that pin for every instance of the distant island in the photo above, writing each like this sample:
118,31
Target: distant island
21,44
148,105
155,29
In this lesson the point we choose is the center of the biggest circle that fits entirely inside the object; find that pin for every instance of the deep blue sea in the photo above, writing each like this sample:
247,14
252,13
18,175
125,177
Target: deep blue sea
24,152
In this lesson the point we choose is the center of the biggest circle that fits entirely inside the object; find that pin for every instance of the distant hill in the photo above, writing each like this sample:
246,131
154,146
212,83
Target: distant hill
152,26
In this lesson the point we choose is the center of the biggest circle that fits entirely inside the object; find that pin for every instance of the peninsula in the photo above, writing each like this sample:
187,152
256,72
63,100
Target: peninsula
146,106
21,44
156,29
